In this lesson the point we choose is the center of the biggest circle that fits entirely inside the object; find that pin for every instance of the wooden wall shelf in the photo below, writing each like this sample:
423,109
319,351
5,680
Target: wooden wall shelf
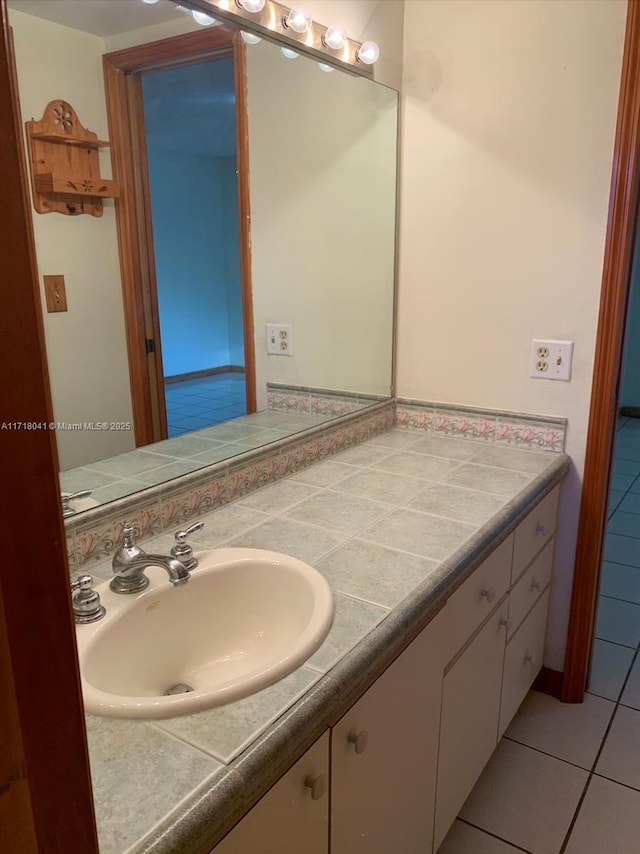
65,168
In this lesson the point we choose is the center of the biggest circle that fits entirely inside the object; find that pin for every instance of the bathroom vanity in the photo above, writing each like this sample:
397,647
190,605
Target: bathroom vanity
395,770
386,729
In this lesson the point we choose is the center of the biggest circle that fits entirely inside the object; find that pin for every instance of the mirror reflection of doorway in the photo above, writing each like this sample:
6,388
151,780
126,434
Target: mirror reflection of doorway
190,135
184,229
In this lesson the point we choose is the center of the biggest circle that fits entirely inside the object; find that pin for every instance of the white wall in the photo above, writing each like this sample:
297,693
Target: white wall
86,345
323,182
509,120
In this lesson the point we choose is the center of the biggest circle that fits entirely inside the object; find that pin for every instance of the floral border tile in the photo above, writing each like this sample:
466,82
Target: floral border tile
181,505
289,402
510,428
539,437
453,423
325,405
247,478
420,419
303,454
96,542
70,542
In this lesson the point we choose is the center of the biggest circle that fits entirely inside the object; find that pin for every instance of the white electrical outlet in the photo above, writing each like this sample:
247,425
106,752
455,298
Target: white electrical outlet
550,360
279,339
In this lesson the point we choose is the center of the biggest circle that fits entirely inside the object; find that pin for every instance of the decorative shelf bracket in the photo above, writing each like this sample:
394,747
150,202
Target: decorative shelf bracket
65,168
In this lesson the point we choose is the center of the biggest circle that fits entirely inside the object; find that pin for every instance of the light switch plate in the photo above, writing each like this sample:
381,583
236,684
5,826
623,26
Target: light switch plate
55,293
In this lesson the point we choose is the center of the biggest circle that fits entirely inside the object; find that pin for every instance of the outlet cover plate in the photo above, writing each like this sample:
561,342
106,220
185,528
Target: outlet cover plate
550,359
279,341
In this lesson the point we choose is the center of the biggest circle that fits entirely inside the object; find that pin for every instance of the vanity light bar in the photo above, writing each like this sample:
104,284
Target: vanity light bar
292,29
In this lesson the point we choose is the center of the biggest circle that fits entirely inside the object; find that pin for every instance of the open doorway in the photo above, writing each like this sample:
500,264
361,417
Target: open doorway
190,139
178,126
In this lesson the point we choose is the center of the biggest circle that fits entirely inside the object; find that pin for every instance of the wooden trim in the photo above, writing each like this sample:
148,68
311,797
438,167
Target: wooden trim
135,237
129,250
192,47
207,372
549,681
244,215
48,782
619,248
147,277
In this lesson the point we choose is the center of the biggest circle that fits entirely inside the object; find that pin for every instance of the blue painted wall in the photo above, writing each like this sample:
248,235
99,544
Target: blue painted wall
630,381
195,224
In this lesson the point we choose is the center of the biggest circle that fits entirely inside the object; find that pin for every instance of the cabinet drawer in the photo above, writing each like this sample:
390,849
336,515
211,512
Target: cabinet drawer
530,587
522,661
534,532
474,600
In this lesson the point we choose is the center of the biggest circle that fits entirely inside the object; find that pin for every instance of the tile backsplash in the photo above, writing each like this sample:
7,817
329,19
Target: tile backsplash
512,429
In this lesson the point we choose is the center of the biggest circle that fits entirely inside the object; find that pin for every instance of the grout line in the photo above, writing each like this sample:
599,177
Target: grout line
553,755
494,835
617,599
592,771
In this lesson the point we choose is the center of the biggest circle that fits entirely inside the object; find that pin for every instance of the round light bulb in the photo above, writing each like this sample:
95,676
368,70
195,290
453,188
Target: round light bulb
254,6
324,67
335,37
288,53
249,38
368,52
297,21
203,19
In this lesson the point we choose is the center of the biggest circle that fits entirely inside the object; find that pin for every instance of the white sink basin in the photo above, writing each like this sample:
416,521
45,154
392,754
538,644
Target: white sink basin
245,619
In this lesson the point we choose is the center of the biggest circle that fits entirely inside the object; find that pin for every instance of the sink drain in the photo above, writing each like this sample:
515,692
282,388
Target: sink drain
180,688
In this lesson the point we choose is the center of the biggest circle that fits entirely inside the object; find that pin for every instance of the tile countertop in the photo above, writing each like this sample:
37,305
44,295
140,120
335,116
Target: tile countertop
395,524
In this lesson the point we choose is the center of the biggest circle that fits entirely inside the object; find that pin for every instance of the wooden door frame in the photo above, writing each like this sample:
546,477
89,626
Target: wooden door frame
41,710
121,73
618,257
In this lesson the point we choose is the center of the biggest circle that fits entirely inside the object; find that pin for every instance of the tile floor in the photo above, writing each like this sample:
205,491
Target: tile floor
194,404
566,779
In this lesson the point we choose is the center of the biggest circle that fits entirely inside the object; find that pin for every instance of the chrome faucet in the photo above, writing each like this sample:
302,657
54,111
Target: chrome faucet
130,561
67,509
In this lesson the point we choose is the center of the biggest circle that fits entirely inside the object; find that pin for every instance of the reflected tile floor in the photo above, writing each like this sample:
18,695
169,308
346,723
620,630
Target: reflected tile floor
202,402
581,763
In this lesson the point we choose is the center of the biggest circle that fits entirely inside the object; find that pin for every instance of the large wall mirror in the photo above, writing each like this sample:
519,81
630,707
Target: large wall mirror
256,326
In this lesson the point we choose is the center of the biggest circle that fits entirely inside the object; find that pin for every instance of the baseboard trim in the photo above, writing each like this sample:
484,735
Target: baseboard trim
207,372
549,682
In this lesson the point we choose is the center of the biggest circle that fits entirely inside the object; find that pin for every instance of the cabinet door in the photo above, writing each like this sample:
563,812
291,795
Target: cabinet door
523,661
384,757
469,722
294,814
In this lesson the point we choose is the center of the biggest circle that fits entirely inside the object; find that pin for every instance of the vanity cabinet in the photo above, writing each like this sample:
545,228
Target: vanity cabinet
406,755
469,722
384,756
293,816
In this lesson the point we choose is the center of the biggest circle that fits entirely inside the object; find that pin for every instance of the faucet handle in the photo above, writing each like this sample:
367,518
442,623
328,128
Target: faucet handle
128,550
87,607
182,550
67,509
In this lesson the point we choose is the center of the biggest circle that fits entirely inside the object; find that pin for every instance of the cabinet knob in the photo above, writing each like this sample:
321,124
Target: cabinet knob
504,623
317,785
535,585
488,594
541,529
359,740
530,658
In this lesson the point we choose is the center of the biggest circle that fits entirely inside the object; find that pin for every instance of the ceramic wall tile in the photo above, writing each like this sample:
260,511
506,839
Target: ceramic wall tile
533,435
505,428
